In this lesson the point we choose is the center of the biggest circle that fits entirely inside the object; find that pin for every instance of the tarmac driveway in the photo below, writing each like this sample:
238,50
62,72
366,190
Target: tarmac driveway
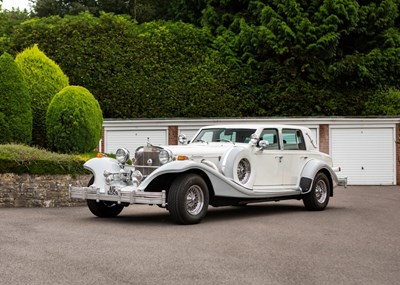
356,240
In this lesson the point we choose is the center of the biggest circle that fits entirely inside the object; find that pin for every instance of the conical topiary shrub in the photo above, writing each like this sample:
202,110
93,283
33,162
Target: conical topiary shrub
44,79
74,121
15,104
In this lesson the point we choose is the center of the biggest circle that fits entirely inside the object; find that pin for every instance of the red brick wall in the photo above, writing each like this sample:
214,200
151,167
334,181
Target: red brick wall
173,135
324,138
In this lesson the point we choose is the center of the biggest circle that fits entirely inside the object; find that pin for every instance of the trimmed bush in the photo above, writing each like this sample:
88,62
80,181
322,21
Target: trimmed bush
15,105
44,79
74,121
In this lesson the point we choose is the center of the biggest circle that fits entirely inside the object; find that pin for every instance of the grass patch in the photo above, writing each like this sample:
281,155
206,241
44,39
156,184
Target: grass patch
25,159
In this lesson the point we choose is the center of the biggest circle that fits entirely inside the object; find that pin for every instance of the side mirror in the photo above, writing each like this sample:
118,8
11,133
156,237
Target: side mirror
182,139
254,139
263,144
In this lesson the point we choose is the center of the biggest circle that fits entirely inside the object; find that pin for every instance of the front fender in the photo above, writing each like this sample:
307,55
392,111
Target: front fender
174,167
222,186
310,170
97,166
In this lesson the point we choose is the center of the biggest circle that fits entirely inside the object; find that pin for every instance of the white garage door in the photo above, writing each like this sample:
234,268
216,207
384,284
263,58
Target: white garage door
132,139
366,155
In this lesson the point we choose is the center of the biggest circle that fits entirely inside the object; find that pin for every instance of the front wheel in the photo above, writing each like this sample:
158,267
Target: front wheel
104,209
318,197
188,199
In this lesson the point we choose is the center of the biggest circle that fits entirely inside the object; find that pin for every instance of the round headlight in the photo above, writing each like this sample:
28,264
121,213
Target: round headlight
164,156
122,155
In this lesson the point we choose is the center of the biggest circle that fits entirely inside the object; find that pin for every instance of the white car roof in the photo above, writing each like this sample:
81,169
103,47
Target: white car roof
255,126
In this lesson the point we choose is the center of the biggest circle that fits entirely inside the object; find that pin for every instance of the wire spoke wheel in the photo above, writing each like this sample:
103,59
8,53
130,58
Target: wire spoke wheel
243,170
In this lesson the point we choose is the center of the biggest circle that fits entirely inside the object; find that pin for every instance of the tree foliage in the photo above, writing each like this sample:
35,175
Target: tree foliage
74,121
338,48
15,104
44,79
8,20
384,103
249,58
140,10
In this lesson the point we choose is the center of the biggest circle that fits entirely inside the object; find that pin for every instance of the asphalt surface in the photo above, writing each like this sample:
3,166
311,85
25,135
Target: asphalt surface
356,240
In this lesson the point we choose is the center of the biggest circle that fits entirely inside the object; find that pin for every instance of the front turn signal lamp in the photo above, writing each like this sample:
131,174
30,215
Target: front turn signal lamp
101,155
182,157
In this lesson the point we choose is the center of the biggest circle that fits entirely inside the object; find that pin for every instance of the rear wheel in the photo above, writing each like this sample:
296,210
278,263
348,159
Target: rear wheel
318,198
103,209
188,199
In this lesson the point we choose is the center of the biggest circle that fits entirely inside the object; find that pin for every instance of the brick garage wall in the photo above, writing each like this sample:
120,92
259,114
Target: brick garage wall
324,138
39,190
173,135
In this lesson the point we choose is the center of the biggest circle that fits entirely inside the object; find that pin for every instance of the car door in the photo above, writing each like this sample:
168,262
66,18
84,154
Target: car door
267,162
294,155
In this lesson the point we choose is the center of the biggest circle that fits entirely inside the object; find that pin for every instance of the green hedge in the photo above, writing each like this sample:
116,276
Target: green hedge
156,69
24,159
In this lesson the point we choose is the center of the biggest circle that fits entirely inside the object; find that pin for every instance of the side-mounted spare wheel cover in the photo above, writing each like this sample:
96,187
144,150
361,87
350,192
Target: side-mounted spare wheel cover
237,164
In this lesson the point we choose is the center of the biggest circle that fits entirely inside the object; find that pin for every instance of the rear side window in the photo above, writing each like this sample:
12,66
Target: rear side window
293,140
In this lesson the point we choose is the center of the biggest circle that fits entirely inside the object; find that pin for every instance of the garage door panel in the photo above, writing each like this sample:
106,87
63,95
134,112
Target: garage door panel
366,155
132,139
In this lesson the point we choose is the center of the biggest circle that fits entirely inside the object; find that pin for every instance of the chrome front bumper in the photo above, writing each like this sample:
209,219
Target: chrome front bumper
131,197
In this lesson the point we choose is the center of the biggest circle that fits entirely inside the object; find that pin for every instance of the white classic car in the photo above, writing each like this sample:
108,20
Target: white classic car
222,165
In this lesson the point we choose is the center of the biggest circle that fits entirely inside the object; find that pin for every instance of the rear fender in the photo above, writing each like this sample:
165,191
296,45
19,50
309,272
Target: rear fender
309,172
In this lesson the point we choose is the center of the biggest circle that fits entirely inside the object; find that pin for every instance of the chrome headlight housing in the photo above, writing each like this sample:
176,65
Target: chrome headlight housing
122,155
165,156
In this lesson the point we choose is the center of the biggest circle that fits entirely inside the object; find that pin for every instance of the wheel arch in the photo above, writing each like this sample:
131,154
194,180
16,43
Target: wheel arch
164,181
310,171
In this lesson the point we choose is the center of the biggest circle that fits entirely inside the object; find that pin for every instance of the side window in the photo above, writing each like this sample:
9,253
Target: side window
293,140
271,136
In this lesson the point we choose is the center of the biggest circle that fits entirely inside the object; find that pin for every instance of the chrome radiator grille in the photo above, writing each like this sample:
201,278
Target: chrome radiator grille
146,159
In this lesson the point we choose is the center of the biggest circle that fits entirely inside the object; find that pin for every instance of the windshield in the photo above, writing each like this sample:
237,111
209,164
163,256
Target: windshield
224,135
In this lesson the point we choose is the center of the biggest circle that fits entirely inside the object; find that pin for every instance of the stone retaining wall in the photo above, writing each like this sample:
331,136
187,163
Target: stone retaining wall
39,190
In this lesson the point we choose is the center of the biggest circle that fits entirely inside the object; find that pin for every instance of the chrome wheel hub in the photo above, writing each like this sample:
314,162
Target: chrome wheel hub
321,191
194,200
